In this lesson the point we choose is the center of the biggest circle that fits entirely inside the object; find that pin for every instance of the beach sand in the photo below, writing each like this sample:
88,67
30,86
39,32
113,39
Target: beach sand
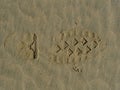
59,45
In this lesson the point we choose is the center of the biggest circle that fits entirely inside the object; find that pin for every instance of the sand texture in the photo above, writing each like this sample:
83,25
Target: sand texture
59,45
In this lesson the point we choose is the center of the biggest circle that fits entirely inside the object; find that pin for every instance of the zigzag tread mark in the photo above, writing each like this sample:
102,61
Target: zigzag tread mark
59,49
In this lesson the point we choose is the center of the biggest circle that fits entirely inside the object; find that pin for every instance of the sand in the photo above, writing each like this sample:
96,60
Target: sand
59,44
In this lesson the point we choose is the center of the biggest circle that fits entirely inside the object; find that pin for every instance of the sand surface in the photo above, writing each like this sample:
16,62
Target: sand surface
59,45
